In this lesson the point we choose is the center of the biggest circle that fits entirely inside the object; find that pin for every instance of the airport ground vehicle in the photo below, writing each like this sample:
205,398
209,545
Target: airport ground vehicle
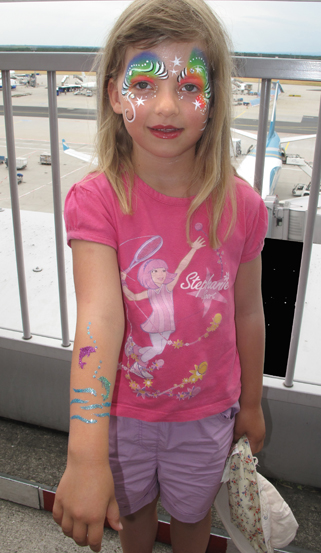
21,163
45,158
301,190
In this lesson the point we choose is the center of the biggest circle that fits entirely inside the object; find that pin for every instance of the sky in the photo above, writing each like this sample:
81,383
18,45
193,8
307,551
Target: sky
275,27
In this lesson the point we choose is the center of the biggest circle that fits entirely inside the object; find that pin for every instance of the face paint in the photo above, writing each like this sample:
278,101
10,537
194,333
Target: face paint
144,68
196,74
140,79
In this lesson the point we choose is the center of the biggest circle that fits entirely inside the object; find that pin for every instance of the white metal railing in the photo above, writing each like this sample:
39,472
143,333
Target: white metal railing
247,67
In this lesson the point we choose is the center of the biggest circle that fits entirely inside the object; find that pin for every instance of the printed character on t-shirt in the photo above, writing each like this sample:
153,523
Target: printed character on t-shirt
159,283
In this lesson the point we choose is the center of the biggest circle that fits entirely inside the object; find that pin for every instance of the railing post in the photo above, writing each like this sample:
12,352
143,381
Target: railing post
56,186
261,135
306,257
15,208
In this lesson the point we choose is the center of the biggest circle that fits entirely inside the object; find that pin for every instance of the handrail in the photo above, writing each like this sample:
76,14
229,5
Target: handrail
47,61
246,67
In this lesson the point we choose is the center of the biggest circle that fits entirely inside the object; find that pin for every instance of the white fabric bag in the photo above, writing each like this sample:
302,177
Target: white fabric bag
253,512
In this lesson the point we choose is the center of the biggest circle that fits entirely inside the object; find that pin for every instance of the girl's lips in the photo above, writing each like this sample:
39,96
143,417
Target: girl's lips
165,131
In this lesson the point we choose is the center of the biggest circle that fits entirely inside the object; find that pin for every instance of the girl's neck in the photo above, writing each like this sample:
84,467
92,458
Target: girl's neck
169,176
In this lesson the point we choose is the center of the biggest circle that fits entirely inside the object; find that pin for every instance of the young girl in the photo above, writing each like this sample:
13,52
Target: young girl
168,356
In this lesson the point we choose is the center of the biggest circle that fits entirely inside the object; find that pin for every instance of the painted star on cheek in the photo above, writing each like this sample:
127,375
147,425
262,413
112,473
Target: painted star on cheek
140,101
197,104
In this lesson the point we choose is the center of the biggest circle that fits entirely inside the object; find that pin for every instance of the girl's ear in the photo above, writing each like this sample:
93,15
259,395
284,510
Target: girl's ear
114,96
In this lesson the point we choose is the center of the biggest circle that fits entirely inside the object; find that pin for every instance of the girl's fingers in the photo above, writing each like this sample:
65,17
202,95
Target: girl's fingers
57,512
67,525
113,515
95,536
79,534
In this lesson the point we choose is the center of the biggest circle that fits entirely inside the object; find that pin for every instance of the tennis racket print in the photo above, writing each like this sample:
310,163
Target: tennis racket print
145,251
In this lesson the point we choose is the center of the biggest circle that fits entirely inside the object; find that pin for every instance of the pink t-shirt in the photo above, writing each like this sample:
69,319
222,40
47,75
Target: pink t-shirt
179,359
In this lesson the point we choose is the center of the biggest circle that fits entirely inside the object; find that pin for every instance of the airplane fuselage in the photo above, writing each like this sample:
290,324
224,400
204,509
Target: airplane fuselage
272,166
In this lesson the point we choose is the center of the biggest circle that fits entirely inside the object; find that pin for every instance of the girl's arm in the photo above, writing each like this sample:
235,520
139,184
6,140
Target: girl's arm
85,495
250,338
199,243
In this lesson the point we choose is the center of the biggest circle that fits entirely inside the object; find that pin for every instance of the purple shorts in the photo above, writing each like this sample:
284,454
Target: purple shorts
183,461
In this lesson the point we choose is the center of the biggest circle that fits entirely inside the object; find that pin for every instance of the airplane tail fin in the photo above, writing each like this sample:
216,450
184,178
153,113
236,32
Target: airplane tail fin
64,145
273,117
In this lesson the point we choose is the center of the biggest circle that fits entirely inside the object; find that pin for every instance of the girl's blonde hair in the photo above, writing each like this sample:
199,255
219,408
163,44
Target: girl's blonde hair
145,24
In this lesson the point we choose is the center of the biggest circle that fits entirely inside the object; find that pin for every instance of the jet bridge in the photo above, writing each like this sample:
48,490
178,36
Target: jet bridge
288,219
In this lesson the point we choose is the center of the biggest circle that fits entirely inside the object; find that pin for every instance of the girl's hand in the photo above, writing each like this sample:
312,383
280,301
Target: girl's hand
199,243
250,421
85,496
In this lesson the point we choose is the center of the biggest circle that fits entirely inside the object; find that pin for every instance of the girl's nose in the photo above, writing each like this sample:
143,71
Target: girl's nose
166,103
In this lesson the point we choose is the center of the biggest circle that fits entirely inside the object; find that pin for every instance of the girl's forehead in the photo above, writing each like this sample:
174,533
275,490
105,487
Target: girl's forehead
177,53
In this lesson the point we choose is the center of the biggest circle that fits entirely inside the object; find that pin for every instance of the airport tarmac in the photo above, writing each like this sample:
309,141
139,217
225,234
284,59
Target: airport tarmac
32,139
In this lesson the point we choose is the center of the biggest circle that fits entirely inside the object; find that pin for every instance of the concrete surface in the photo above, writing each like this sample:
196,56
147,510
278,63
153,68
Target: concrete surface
26,530
39,455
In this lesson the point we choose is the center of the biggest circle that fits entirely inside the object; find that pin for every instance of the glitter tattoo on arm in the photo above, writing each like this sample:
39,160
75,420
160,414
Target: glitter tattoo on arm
86,352
144,68
196,73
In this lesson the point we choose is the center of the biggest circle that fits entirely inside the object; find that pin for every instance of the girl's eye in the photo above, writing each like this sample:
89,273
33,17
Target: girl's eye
143,85
190,88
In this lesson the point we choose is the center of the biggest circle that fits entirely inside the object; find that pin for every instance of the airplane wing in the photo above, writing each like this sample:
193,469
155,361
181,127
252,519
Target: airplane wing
282,140
245,133
80,155
296,138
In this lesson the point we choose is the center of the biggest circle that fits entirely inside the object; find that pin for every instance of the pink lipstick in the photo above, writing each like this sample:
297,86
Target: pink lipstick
165,131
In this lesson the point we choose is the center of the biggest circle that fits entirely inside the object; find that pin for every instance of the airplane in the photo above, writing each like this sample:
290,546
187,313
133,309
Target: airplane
274,154
65,86
87,86
80,155
13,82
239,86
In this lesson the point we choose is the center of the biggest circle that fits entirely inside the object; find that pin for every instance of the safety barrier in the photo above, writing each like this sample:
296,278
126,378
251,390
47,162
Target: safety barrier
247,67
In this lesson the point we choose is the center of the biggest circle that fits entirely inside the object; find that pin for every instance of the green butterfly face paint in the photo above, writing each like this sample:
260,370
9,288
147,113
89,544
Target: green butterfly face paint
143,69
195,77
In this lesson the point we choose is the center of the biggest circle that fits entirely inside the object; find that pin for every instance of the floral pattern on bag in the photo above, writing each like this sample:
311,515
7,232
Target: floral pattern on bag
244,499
